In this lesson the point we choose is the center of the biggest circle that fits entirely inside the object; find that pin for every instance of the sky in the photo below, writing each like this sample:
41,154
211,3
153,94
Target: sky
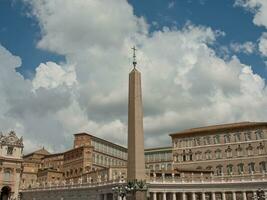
64,67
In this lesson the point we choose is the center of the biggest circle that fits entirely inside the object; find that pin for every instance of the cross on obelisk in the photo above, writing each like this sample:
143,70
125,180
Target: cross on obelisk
134,56
136,158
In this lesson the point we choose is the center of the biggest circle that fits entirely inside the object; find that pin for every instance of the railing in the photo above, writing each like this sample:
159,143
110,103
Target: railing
188,179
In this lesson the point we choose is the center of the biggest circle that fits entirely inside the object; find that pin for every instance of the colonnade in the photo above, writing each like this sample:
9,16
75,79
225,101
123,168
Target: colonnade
233,195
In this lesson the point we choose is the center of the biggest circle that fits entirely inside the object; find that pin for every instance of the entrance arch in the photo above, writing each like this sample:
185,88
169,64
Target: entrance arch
5,193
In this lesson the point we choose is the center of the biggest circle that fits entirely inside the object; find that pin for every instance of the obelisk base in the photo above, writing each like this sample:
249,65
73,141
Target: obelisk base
139,195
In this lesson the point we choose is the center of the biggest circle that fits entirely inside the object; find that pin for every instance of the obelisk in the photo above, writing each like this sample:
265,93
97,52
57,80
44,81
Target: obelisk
136,158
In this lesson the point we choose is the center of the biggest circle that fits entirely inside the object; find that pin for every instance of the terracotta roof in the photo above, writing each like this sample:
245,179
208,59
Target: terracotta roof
220,127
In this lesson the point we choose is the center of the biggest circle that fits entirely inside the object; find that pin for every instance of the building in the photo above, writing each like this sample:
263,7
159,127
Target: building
237,149
11,148
32,162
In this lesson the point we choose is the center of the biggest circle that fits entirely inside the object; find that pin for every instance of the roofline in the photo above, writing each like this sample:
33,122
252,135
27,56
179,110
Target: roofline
117,145
158,148
220,127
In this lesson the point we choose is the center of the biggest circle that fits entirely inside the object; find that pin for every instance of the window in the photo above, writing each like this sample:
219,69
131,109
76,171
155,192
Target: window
216,139
198,155
209,168
219,170
259,134
260,148
251,167
218,154
240,168
262,166
206,140
10,150
208,155
250,150
247,136
237,137
227,138
229,169
239,151
7,174
197,141
229,153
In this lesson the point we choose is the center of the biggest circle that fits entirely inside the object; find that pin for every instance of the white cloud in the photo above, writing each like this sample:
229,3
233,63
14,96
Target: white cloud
259,8
51,75
263,44
247,47
185,84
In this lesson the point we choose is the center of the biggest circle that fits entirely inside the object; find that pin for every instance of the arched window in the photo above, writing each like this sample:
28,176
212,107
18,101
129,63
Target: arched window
259,134
247,136
198,155
208,155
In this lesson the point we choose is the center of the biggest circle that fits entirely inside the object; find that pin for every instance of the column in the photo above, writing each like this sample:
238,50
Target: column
184,196
223,196
164,196
234,195
119,197
174,196
154,196
254,194
203,196
244,195
105,197
213,197
193,196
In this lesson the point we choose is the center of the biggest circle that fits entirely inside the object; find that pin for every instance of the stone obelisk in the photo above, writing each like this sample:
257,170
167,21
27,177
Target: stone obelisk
136,158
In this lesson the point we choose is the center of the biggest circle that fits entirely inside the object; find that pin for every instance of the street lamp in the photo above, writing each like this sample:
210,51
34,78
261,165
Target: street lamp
131,188
259,195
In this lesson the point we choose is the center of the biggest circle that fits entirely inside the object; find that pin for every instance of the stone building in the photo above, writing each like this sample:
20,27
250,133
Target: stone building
237,149
11,148
32,162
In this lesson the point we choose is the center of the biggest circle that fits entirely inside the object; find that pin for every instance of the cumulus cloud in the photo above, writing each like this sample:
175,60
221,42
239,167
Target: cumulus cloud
185,83
247,47
259,8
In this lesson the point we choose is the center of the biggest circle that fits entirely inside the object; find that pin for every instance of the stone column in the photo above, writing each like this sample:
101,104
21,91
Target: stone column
234,195
213,197
119,198
193,196
154,195
223,196
244,195
164,196
184,195
203,196
174,196
105,197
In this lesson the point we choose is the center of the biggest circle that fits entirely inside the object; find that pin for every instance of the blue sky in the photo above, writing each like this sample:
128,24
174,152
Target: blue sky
64,66
19,33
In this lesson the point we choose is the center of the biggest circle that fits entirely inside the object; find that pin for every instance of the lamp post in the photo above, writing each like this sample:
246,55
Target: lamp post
259,195
131,188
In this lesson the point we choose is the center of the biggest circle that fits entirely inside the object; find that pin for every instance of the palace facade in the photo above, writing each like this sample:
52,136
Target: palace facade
238,149
11,148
